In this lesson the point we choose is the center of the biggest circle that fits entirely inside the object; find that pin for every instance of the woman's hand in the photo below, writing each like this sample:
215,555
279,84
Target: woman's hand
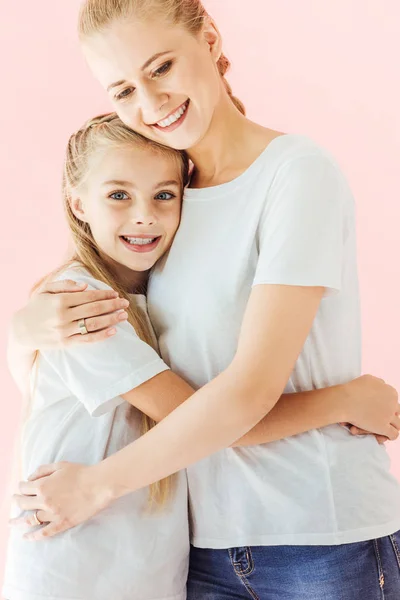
63,495
372,407
51,317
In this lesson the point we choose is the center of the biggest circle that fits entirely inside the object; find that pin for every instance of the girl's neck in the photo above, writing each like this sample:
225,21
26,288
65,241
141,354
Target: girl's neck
231,144
134,282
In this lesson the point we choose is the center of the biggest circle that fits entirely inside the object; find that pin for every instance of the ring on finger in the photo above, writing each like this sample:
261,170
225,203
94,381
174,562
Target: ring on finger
36,519
82,327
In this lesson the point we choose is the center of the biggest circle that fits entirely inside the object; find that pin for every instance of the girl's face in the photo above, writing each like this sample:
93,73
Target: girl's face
162,80
131,200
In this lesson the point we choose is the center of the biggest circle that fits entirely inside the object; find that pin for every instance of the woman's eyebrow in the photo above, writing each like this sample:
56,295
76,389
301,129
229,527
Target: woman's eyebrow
153,58
146,64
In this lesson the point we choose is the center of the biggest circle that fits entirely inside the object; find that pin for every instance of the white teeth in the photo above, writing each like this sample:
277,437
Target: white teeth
173,118
139,241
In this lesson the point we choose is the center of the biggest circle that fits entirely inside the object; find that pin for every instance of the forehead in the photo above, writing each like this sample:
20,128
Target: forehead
120,51
144,167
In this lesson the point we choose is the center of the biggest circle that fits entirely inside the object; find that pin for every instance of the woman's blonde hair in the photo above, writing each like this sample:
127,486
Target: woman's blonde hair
98,134
96,15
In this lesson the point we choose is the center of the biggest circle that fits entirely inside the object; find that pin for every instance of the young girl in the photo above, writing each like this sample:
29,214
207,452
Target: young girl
258,292
122,197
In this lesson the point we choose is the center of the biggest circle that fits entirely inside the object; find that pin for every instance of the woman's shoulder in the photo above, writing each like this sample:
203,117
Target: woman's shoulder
295,156
289,147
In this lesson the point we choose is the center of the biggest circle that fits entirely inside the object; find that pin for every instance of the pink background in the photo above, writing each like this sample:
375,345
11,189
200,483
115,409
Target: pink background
326,69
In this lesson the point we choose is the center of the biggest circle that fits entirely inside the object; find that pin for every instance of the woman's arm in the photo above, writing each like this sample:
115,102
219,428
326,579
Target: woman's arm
356,402
276,324
50,320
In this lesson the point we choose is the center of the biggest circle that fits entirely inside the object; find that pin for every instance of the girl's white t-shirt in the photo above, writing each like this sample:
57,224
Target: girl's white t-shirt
288,219
78,415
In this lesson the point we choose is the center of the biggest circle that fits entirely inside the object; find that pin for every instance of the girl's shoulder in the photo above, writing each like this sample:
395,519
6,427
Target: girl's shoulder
79,274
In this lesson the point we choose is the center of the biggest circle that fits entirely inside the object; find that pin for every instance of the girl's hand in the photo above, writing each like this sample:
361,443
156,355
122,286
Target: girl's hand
63,495
51,317
372,407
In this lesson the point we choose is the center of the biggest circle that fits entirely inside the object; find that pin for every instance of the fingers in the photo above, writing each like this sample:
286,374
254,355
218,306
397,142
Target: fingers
47,531
28,502
357,431
78,298
395,422
103,322
90,338
30,521
393,433
381,439
97,308
67,285
42,471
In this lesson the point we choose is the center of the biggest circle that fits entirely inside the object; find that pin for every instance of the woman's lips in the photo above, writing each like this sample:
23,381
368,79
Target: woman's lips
177,123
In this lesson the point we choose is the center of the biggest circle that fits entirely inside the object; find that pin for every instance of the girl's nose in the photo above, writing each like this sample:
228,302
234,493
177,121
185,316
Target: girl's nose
142,214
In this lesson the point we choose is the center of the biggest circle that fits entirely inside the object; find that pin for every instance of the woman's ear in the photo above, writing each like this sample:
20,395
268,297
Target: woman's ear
213,38
77,208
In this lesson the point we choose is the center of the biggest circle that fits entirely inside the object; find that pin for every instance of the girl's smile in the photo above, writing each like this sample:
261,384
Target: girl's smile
140,243
131,200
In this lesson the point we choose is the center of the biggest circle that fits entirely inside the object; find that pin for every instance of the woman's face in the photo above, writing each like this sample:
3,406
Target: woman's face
162,80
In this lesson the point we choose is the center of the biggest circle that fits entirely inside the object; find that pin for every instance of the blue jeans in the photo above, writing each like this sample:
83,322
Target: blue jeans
362,571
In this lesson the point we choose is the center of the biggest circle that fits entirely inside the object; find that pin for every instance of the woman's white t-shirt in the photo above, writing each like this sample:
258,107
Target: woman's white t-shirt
288,219
78,415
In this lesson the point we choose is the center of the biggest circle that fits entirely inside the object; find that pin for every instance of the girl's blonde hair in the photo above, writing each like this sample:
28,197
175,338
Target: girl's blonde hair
103,132
96,15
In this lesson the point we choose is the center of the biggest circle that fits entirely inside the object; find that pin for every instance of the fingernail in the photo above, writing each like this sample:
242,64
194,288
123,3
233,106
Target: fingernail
122,316
114,294
111,332
124,302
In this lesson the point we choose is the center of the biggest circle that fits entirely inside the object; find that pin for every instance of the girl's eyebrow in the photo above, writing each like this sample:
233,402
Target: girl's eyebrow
122,183
167,183
119,182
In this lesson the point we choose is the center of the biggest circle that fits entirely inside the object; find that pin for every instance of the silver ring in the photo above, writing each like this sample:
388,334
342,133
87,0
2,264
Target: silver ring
36,519
82,327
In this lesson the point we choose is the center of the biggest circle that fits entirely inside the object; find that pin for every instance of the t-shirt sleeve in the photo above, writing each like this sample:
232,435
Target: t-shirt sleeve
301,234
97,374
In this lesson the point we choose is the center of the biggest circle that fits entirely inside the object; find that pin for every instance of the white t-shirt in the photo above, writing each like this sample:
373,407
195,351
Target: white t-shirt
78,415
288,219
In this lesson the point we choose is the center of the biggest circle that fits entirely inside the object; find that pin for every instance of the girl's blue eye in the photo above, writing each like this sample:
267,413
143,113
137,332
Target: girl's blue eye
124,94
165,196
119,196
163,70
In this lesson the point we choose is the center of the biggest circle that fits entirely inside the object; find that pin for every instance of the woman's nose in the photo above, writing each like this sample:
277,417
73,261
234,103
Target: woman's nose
152,103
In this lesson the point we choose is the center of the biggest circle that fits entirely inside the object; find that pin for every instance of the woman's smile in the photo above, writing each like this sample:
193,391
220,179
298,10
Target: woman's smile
174,119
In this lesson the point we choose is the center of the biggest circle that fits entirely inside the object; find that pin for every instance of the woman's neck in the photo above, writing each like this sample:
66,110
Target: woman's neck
231,144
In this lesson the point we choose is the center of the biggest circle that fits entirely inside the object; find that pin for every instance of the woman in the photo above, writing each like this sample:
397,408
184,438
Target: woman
259,292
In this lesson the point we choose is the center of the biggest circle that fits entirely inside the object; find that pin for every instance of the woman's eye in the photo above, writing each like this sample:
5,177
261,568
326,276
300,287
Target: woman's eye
119,196
163,70
165,196
124,93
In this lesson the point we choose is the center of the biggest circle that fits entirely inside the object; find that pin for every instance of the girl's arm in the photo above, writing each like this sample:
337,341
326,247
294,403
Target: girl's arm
277,321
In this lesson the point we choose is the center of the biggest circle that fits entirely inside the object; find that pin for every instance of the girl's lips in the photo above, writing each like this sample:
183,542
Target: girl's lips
142,248
177,123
